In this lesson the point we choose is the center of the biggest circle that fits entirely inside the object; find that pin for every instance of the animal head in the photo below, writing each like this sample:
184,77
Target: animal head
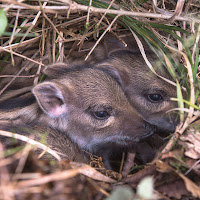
90,105
147,93
87,105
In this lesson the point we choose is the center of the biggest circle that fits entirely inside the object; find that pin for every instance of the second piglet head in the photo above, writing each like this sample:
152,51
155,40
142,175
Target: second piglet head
147,93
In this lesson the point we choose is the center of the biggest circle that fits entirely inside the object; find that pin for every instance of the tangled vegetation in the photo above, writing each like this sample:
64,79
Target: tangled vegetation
172,30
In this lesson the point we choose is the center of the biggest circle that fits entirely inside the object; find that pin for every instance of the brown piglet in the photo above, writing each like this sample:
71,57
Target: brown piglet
148,94
83,103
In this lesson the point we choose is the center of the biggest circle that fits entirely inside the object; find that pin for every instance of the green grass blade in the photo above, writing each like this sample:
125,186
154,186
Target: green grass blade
187,102
180,103
3,21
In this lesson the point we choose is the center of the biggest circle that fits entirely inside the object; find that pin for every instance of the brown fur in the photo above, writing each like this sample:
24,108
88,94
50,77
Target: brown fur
52,138
128,67
139,83
70,101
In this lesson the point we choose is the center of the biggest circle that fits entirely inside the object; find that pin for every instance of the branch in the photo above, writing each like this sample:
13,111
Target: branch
77,7
30,141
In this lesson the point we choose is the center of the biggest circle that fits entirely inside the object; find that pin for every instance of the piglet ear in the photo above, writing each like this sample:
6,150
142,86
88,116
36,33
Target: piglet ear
50,98
55,70
120,75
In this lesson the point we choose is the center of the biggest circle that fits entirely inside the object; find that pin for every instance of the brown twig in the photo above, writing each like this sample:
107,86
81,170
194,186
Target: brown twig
11,76
53,26
49,178
128,164
31,141
22,56
77,7
20,71
100,38
17,45
177,12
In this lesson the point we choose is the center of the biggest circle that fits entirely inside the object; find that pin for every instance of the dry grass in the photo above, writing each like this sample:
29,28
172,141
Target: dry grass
43,32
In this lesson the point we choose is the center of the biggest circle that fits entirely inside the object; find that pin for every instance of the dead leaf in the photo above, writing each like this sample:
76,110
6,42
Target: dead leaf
191,186
91,172
191,143
173,189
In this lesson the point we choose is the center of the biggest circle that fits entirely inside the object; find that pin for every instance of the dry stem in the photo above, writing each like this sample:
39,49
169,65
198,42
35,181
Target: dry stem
77,7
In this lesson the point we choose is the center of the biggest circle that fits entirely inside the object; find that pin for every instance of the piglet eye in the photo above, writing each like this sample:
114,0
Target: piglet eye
154,98
101,114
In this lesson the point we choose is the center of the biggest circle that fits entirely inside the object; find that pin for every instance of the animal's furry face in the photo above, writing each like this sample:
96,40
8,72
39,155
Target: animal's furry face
148,94
87,105
90,107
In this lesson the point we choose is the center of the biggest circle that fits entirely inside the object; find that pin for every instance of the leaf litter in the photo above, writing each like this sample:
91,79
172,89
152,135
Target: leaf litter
174,173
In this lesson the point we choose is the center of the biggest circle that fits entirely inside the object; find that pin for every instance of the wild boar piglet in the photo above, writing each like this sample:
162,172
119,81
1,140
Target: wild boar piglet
85,104
147,93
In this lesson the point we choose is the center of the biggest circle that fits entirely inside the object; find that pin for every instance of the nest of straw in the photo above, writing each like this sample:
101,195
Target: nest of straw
44,32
